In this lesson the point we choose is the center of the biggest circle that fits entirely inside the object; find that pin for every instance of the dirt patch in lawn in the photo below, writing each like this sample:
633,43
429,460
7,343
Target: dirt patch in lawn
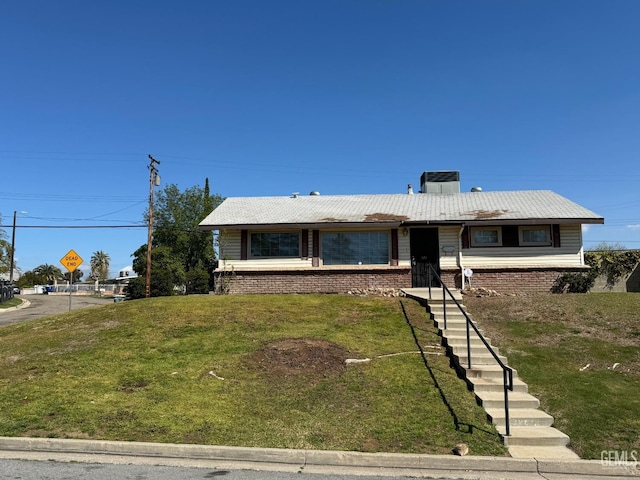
300,357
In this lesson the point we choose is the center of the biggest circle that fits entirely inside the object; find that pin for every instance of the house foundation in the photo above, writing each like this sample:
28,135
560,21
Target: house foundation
342,280
510,280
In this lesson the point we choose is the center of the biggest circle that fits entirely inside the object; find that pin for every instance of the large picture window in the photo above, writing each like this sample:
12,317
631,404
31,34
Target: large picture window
355,248
282,244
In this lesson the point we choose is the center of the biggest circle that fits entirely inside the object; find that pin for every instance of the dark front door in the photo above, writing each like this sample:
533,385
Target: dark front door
425,251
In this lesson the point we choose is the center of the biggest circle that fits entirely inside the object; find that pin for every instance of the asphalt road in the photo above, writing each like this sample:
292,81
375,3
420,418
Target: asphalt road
44,305
20,469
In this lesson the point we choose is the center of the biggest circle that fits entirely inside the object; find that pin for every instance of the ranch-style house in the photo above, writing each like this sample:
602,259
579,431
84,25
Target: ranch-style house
508,240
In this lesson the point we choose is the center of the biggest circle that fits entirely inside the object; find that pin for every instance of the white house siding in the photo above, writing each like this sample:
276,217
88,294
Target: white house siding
231,257
404,249
267,264
229,245
569,254
449,246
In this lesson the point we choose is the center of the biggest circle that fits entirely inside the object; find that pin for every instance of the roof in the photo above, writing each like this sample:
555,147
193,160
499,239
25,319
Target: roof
523,206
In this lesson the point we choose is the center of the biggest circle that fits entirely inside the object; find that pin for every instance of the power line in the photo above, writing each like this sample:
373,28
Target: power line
223,163
80,226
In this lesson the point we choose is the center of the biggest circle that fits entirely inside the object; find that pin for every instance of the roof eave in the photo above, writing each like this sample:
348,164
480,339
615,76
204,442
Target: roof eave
534,221
311,225
407,223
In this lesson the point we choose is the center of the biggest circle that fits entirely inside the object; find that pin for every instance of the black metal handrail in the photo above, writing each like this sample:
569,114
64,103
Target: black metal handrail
507,372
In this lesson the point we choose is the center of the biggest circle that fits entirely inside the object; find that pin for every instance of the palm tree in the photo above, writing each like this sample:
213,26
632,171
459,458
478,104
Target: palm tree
49,273
100,265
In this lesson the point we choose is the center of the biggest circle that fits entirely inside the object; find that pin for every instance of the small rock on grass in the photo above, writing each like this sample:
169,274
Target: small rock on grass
461,449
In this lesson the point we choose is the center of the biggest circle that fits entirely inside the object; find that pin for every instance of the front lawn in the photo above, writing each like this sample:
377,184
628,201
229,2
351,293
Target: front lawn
262,371
580,355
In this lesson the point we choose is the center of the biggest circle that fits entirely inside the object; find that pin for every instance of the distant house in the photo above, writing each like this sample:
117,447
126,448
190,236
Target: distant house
123,278
126,273
511,240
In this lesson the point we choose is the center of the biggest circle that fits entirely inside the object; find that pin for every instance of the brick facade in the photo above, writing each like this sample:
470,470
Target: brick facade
344,280
314,281
510,280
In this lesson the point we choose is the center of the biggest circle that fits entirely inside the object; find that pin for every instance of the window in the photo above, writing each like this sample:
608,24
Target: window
486,236
275,245
535,236
355,248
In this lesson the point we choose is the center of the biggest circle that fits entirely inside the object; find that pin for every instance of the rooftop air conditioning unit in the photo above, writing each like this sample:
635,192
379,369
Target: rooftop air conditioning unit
440,182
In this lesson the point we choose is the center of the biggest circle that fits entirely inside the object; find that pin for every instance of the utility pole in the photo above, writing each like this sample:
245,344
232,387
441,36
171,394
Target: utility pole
13,247
154,179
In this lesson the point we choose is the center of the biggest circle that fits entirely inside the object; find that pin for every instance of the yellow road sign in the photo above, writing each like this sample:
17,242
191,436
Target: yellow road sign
71,260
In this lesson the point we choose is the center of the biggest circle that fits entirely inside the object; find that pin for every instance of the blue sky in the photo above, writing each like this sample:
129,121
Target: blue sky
338,96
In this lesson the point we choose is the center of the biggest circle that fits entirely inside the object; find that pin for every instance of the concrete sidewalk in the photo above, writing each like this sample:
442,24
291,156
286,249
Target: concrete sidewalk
310,461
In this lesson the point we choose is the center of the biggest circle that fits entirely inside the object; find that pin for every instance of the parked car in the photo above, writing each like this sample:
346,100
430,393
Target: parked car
16,290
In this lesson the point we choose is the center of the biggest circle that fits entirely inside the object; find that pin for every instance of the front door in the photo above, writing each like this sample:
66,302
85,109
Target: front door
425,251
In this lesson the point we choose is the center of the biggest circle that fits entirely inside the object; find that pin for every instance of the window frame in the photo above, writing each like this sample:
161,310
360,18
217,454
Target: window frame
475,244
547,243
289,232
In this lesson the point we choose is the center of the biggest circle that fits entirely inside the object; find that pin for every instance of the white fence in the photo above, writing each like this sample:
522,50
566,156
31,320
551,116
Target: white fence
79,289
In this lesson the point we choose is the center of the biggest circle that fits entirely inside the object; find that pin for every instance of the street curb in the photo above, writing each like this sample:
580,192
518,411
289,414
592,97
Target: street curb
319,458
24,304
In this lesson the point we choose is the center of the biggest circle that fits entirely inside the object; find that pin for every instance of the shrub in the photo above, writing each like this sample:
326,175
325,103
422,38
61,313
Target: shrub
612,264
197,281
574,283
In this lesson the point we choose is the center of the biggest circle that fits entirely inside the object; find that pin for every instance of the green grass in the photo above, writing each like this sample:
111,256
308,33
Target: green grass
14,302
565,348
215,370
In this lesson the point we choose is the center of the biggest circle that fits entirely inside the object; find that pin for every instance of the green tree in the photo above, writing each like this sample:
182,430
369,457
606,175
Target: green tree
611,260
48,273
176,218
5,251
197,281
607,247
100,262
74,276
167,273
29,279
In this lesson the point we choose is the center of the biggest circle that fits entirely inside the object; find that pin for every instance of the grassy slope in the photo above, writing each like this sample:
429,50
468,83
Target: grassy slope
550,339
140,371
14,302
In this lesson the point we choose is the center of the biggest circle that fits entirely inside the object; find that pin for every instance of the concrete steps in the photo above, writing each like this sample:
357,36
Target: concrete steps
520,417
477,351
478,359
532,434
517,399
552,452
483,386
491,371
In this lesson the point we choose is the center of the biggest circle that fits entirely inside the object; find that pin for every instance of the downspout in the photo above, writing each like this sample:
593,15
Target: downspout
582,264
460,256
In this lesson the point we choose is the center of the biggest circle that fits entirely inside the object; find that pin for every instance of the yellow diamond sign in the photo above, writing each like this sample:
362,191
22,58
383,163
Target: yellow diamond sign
71,260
